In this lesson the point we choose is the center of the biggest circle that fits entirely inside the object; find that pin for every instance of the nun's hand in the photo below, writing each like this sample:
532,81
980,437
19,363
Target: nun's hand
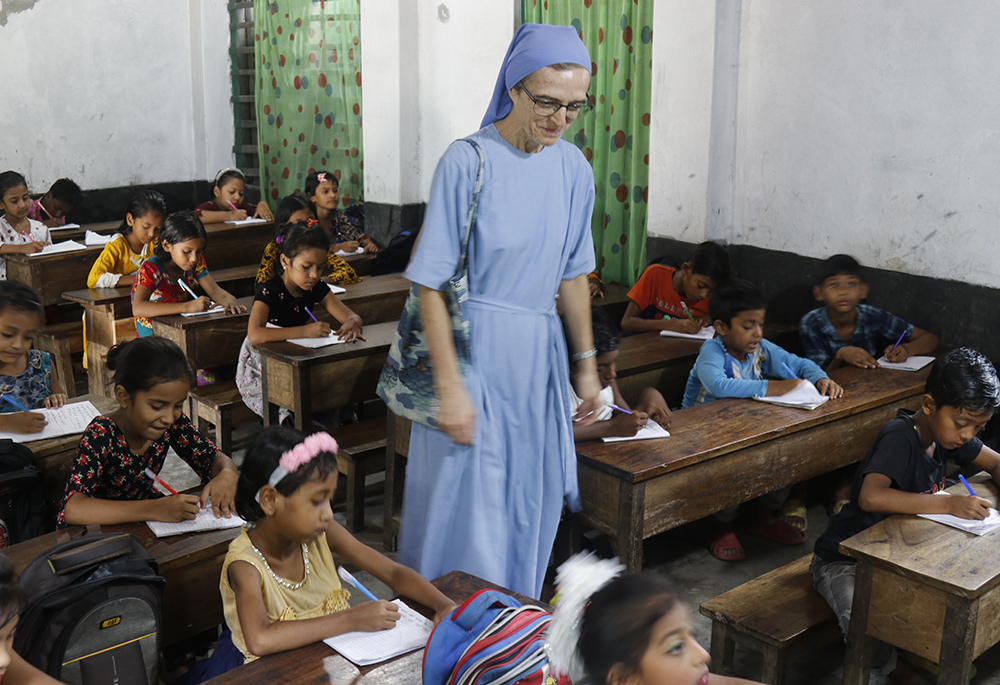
457,416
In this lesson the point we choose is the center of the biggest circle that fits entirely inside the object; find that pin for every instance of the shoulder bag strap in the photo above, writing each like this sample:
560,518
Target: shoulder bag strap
470,218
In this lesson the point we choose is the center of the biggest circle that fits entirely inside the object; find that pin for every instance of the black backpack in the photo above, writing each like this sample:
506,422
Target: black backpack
22,498
92,614
393,258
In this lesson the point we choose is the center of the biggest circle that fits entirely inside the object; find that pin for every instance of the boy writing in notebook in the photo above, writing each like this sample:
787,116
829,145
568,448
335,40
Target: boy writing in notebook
906,465
669,299
846,331
735,364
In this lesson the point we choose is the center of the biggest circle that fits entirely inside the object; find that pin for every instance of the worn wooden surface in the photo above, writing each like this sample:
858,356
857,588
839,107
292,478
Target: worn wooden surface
317,664
102,227
191,565
935,590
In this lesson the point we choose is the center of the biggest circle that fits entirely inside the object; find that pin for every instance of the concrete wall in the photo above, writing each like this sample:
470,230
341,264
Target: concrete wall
110,93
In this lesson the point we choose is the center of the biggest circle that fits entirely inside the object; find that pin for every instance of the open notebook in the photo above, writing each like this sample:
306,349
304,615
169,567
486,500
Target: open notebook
651,430
205,520
974,526
313,343
410,633
911,364
802,396
55,248
94,239
211,310
336,289
66,420
706,333
341,253
246,222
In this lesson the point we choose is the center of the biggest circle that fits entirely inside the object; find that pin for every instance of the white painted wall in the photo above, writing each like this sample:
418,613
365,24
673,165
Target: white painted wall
111,92
428,74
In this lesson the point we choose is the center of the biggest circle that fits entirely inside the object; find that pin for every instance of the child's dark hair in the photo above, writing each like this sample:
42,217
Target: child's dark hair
606,334
711,260
315,178
66,191
228,174
141,204
17,295
261,460
289,205
9,180
141,363
11,597
294,238
731,297
179,227
839,265
964,379
617,625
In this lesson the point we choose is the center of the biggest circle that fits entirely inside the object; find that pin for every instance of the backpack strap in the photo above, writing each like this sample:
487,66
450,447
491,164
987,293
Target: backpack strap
465,616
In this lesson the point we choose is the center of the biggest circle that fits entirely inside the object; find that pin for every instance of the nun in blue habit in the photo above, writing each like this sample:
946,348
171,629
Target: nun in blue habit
484,494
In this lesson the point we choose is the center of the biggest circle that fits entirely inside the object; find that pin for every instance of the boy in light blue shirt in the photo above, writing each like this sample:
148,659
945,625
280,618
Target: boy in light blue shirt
736,361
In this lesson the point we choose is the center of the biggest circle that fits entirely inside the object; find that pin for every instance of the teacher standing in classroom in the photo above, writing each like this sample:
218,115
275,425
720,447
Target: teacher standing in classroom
484,494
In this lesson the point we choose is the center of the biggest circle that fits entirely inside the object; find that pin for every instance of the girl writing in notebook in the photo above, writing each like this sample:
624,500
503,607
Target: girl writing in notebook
109,483
228,205
323,190
18,233
279,582
121,258
27,380
166,282
285,307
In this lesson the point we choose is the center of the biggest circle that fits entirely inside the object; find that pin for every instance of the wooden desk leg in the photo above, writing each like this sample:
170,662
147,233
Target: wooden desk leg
302,394
857,661
270,409
389,506
631,511
774,667
960,617
722,649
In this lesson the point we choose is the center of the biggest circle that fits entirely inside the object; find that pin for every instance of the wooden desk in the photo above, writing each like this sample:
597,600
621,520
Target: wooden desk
728,452
307,380
191,564
215,339
317,664
78,234
927,588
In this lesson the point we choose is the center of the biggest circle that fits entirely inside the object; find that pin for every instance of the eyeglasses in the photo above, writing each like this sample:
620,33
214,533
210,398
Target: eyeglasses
547,108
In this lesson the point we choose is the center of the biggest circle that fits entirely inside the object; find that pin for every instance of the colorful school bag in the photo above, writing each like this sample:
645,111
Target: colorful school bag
92,614
491,638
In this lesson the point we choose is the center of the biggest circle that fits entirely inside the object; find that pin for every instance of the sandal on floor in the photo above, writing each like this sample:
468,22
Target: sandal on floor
838,505
726,542
779,531
795,508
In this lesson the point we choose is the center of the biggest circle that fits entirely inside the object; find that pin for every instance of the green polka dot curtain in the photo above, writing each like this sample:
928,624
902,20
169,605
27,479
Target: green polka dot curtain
615,136
308,69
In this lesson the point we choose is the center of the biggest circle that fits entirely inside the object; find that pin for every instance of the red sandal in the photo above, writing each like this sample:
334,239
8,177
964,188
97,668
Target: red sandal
726,547
779,531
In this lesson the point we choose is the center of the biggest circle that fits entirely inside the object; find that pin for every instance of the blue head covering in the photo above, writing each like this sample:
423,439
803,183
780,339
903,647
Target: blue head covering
534,47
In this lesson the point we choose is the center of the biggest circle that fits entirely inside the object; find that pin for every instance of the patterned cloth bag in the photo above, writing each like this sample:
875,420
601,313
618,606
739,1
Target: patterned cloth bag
406,383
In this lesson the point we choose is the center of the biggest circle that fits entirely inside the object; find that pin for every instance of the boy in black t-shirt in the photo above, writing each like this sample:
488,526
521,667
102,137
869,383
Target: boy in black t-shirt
905,467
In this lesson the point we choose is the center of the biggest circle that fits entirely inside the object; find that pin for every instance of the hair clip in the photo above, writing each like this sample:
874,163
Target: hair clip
227,170
321,177
300,455
280,239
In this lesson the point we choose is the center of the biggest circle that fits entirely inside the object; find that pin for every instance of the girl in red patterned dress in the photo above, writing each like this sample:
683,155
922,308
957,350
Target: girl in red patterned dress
108,483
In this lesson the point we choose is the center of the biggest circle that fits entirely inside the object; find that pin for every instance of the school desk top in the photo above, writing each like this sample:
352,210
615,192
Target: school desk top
318,664
928,588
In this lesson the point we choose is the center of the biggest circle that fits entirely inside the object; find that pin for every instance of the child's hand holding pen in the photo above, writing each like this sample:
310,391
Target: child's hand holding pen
237,214
23,421
627,424
971,507
199,304
318,329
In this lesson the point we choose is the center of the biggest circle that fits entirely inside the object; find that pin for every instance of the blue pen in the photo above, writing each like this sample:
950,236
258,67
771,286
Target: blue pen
897,343
967,486
789,371
184,285
311,316
617,408
346,576
14,403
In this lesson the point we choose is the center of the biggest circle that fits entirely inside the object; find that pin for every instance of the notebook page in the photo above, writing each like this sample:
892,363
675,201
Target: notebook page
911,364
706,333
64,227
66,420
974,526
651,430
342,253
94,239
802,396
246,222
205,520
213,310
410,633
336,289
313,343
55,248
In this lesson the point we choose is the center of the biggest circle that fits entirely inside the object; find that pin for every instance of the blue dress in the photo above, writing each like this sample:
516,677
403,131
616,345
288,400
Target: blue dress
492,509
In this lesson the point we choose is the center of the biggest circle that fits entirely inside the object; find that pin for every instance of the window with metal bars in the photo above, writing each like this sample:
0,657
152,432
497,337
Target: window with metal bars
241,50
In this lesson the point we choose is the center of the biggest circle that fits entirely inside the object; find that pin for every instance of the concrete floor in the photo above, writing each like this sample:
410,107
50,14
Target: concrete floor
680,554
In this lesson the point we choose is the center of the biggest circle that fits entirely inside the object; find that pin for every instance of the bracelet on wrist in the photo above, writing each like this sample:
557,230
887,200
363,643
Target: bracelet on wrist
580,356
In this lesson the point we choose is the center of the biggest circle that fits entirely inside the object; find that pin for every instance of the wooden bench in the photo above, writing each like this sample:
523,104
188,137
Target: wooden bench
221,405
362,453
780,614
61,341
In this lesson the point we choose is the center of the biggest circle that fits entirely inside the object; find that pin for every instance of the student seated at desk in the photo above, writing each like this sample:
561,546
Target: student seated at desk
847,331
27,379
13,669
906,465
283,307
18,233
296,208
669,299
132,245
651,404
323,191
228,205
51,209
279,584
734,364
108,483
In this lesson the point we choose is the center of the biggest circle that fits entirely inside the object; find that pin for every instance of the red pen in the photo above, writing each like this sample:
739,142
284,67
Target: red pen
149,472
230,203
